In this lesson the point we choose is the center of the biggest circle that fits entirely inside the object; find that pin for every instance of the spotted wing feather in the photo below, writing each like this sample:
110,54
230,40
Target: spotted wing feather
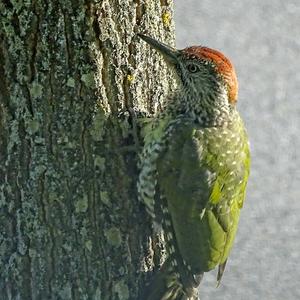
204,190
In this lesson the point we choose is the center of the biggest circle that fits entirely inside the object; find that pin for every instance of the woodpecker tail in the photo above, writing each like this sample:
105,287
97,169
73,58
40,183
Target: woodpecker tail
220,272
167,285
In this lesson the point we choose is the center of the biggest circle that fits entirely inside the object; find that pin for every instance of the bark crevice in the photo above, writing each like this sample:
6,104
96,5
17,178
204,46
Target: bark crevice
72,225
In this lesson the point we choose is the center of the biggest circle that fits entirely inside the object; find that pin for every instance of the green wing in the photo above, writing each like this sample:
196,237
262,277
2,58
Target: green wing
204,190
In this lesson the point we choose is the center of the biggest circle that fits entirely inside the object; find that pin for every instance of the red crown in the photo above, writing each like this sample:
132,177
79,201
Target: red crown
222,65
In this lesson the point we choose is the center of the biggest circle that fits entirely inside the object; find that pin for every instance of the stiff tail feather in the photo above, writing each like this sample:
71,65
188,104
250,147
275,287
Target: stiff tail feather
166,285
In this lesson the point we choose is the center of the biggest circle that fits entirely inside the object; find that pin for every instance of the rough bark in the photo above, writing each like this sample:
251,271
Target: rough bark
71,225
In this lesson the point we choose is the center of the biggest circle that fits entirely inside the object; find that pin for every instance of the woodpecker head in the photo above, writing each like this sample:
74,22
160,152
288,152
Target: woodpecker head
205,72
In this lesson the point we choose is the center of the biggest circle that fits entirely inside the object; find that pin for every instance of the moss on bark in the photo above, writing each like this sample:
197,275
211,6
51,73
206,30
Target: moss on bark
71,225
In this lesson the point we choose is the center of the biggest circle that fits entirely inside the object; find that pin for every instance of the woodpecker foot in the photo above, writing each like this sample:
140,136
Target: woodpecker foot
135,120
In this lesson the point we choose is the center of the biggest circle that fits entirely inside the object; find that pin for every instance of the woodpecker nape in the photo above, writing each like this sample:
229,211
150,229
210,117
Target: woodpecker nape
195,162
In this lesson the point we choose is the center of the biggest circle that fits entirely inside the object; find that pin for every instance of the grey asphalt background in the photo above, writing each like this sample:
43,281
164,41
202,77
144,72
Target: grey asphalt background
262,38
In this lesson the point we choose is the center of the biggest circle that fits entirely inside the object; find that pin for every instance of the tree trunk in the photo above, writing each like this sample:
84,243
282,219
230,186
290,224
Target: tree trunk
71,224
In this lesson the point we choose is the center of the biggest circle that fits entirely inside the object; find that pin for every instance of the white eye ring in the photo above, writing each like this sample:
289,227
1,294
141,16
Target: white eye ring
192,68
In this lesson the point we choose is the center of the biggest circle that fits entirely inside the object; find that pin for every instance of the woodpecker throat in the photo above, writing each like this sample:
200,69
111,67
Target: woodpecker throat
211,109
195,165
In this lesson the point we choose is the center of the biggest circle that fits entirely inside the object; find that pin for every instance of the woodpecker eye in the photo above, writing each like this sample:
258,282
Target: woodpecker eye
192,68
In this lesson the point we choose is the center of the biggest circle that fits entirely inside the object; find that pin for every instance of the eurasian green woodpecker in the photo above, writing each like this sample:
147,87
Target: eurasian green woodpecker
195,163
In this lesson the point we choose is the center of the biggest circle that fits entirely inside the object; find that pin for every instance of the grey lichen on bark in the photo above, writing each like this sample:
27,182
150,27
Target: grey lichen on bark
71,225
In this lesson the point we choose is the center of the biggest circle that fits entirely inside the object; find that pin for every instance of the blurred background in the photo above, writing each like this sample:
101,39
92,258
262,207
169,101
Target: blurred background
263,41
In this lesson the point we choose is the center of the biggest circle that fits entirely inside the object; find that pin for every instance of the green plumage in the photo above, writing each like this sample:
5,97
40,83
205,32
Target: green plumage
203,174
195,166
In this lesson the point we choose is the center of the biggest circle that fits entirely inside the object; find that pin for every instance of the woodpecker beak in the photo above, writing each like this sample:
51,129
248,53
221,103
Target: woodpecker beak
170,54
